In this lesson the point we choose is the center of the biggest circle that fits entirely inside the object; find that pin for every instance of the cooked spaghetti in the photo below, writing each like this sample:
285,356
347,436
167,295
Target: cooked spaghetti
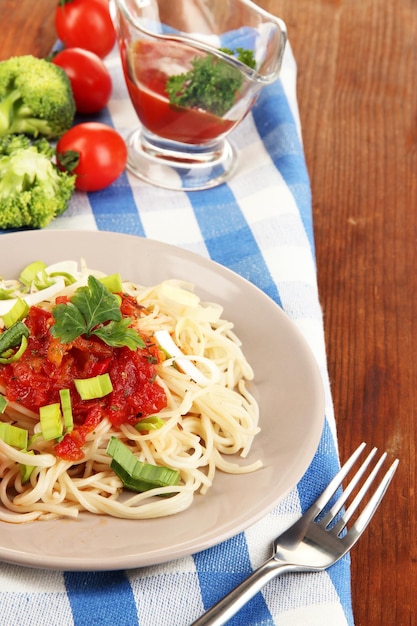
194,413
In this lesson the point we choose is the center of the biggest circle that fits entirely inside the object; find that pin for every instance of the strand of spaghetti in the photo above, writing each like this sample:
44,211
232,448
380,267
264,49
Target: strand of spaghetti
139,501
242,414
96,503
183,451
44,508
8,477
104,481
210,370
214,348
180,458
37,460
178,385
180,391
18,518
58,495
181,455
249,426
189,334
95,448
38,507
234,468
84,499
220,348
207,435
252,407
42,482
231,427
18,411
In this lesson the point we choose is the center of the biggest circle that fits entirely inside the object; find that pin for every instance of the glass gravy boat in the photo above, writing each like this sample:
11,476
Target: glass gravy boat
193,70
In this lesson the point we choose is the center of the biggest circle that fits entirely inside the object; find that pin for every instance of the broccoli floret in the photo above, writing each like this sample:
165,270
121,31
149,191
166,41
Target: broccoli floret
35,97
33,191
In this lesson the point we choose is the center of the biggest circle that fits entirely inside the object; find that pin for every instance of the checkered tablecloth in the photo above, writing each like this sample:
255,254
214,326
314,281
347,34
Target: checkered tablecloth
260,226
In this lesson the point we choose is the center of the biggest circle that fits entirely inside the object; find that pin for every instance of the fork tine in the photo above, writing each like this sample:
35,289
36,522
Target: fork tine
331,514
365,517
335,483
359,496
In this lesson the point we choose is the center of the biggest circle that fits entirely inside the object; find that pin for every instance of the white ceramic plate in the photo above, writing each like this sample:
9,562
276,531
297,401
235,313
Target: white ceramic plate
287,386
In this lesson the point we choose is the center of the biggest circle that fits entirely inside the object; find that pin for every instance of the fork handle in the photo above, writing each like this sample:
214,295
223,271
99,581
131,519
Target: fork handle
224,610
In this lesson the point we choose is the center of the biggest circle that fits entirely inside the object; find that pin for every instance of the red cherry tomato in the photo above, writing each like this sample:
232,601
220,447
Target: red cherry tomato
102,155
105,3
85,24
90,79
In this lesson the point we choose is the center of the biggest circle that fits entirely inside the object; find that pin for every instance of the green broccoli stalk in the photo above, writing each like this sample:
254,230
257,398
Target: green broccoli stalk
35,98
33,191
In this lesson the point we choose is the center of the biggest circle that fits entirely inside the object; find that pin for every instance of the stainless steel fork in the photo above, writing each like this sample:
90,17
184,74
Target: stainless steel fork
318,539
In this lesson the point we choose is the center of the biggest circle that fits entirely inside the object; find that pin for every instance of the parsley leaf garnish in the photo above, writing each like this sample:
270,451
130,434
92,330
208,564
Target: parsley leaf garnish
211,84
117,334
94,310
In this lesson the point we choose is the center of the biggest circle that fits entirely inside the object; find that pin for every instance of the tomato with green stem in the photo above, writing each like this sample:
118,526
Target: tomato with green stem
95,152
85,24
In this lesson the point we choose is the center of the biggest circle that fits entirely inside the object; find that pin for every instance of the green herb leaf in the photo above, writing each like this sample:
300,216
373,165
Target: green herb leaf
93,310
117,334
69,323
96,304
211,84
244,56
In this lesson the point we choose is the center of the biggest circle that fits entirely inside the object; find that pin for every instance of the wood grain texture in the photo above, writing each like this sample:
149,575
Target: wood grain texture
357,94
357,69
26,27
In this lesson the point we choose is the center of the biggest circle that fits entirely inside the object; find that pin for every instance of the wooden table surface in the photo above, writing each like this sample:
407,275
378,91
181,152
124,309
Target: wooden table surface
357,62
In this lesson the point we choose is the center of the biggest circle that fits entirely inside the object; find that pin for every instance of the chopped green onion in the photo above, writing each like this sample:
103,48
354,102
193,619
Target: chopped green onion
18,311
6,294
42,281
66,409
153,422
10,356
91,388
11,338
3,403
26,469
136,475
112,282
51,421
36,296
13,435
68,278
62,268
28,274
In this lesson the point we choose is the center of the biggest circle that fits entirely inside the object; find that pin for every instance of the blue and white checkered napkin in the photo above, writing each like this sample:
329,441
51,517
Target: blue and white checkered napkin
260,226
